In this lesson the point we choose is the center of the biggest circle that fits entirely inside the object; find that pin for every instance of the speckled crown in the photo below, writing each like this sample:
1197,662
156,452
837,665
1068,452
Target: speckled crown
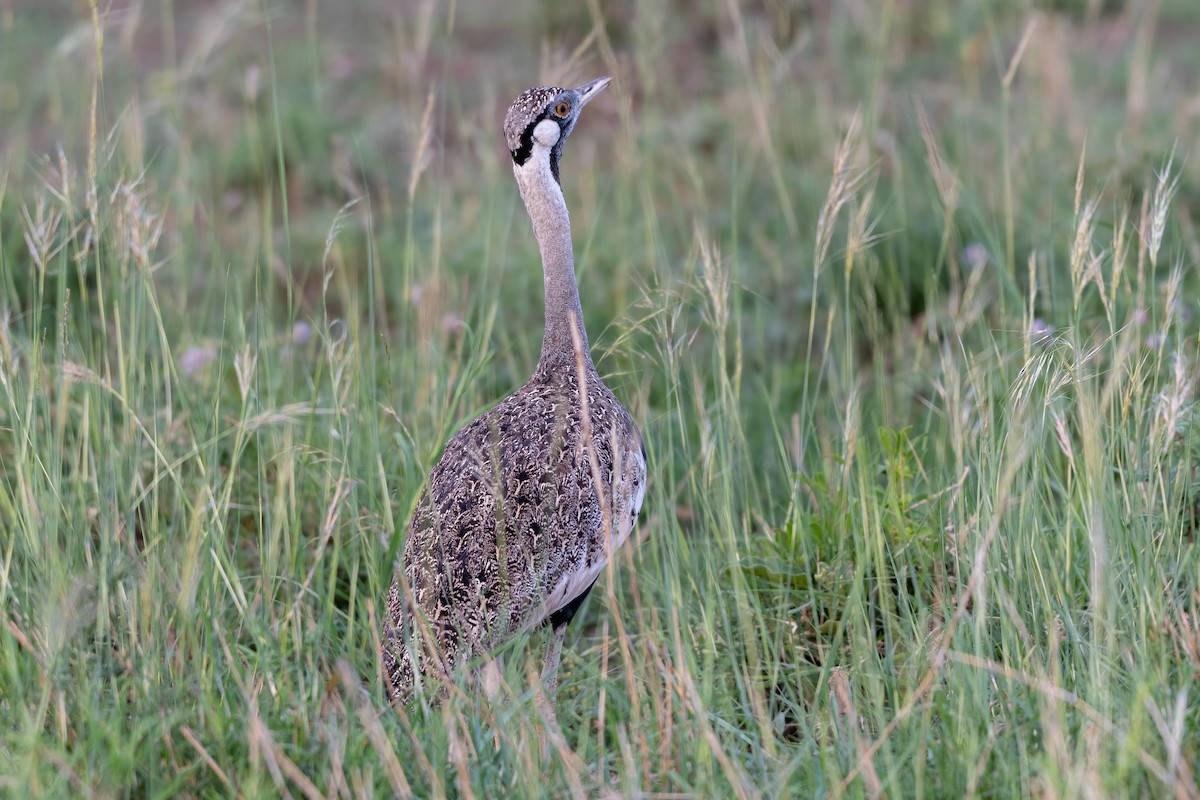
528,107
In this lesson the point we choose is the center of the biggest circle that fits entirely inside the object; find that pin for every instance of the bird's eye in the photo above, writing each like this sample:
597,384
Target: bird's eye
563,108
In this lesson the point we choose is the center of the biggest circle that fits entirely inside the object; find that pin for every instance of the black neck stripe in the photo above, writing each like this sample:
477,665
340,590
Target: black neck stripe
522,153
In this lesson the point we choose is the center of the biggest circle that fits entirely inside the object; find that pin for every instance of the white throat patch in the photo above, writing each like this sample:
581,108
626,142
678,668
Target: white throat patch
546,133
536,171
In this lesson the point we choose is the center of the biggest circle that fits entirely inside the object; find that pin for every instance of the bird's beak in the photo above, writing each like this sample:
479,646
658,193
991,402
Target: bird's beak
590,90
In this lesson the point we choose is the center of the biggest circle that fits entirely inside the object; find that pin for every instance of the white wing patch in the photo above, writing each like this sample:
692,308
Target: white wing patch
577,580
640,477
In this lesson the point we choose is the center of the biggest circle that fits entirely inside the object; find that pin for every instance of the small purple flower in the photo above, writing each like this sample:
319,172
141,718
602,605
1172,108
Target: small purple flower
975,256
195,359
301,333
1040,330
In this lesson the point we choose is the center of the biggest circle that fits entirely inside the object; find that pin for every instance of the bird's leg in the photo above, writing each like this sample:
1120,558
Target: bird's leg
544,697
553,656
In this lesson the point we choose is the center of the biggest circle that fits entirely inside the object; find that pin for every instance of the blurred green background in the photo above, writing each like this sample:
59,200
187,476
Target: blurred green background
903,295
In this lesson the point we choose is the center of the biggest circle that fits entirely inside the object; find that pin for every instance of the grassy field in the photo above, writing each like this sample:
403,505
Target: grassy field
903,294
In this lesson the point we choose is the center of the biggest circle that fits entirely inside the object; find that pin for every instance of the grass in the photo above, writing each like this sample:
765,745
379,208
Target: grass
903,297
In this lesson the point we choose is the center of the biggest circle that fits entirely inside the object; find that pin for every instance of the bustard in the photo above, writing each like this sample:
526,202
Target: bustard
529,501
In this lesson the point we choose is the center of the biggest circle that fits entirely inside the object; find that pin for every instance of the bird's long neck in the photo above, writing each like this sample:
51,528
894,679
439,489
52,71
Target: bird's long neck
547,209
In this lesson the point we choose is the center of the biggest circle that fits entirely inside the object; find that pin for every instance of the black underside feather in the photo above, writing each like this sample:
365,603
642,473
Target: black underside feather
564,614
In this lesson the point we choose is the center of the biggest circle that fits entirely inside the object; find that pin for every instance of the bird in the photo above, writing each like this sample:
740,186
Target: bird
529,501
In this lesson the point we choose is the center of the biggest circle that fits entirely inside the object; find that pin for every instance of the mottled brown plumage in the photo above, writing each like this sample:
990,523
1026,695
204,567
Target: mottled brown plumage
527,502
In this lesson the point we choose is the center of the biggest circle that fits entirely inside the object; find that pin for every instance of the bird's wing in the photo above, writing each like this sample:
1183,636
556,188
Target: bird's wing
627,494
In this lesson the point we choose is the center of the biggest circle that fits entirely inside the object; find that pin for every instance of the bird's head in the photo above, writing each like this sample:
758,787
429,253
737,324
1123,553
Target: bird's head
539,122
